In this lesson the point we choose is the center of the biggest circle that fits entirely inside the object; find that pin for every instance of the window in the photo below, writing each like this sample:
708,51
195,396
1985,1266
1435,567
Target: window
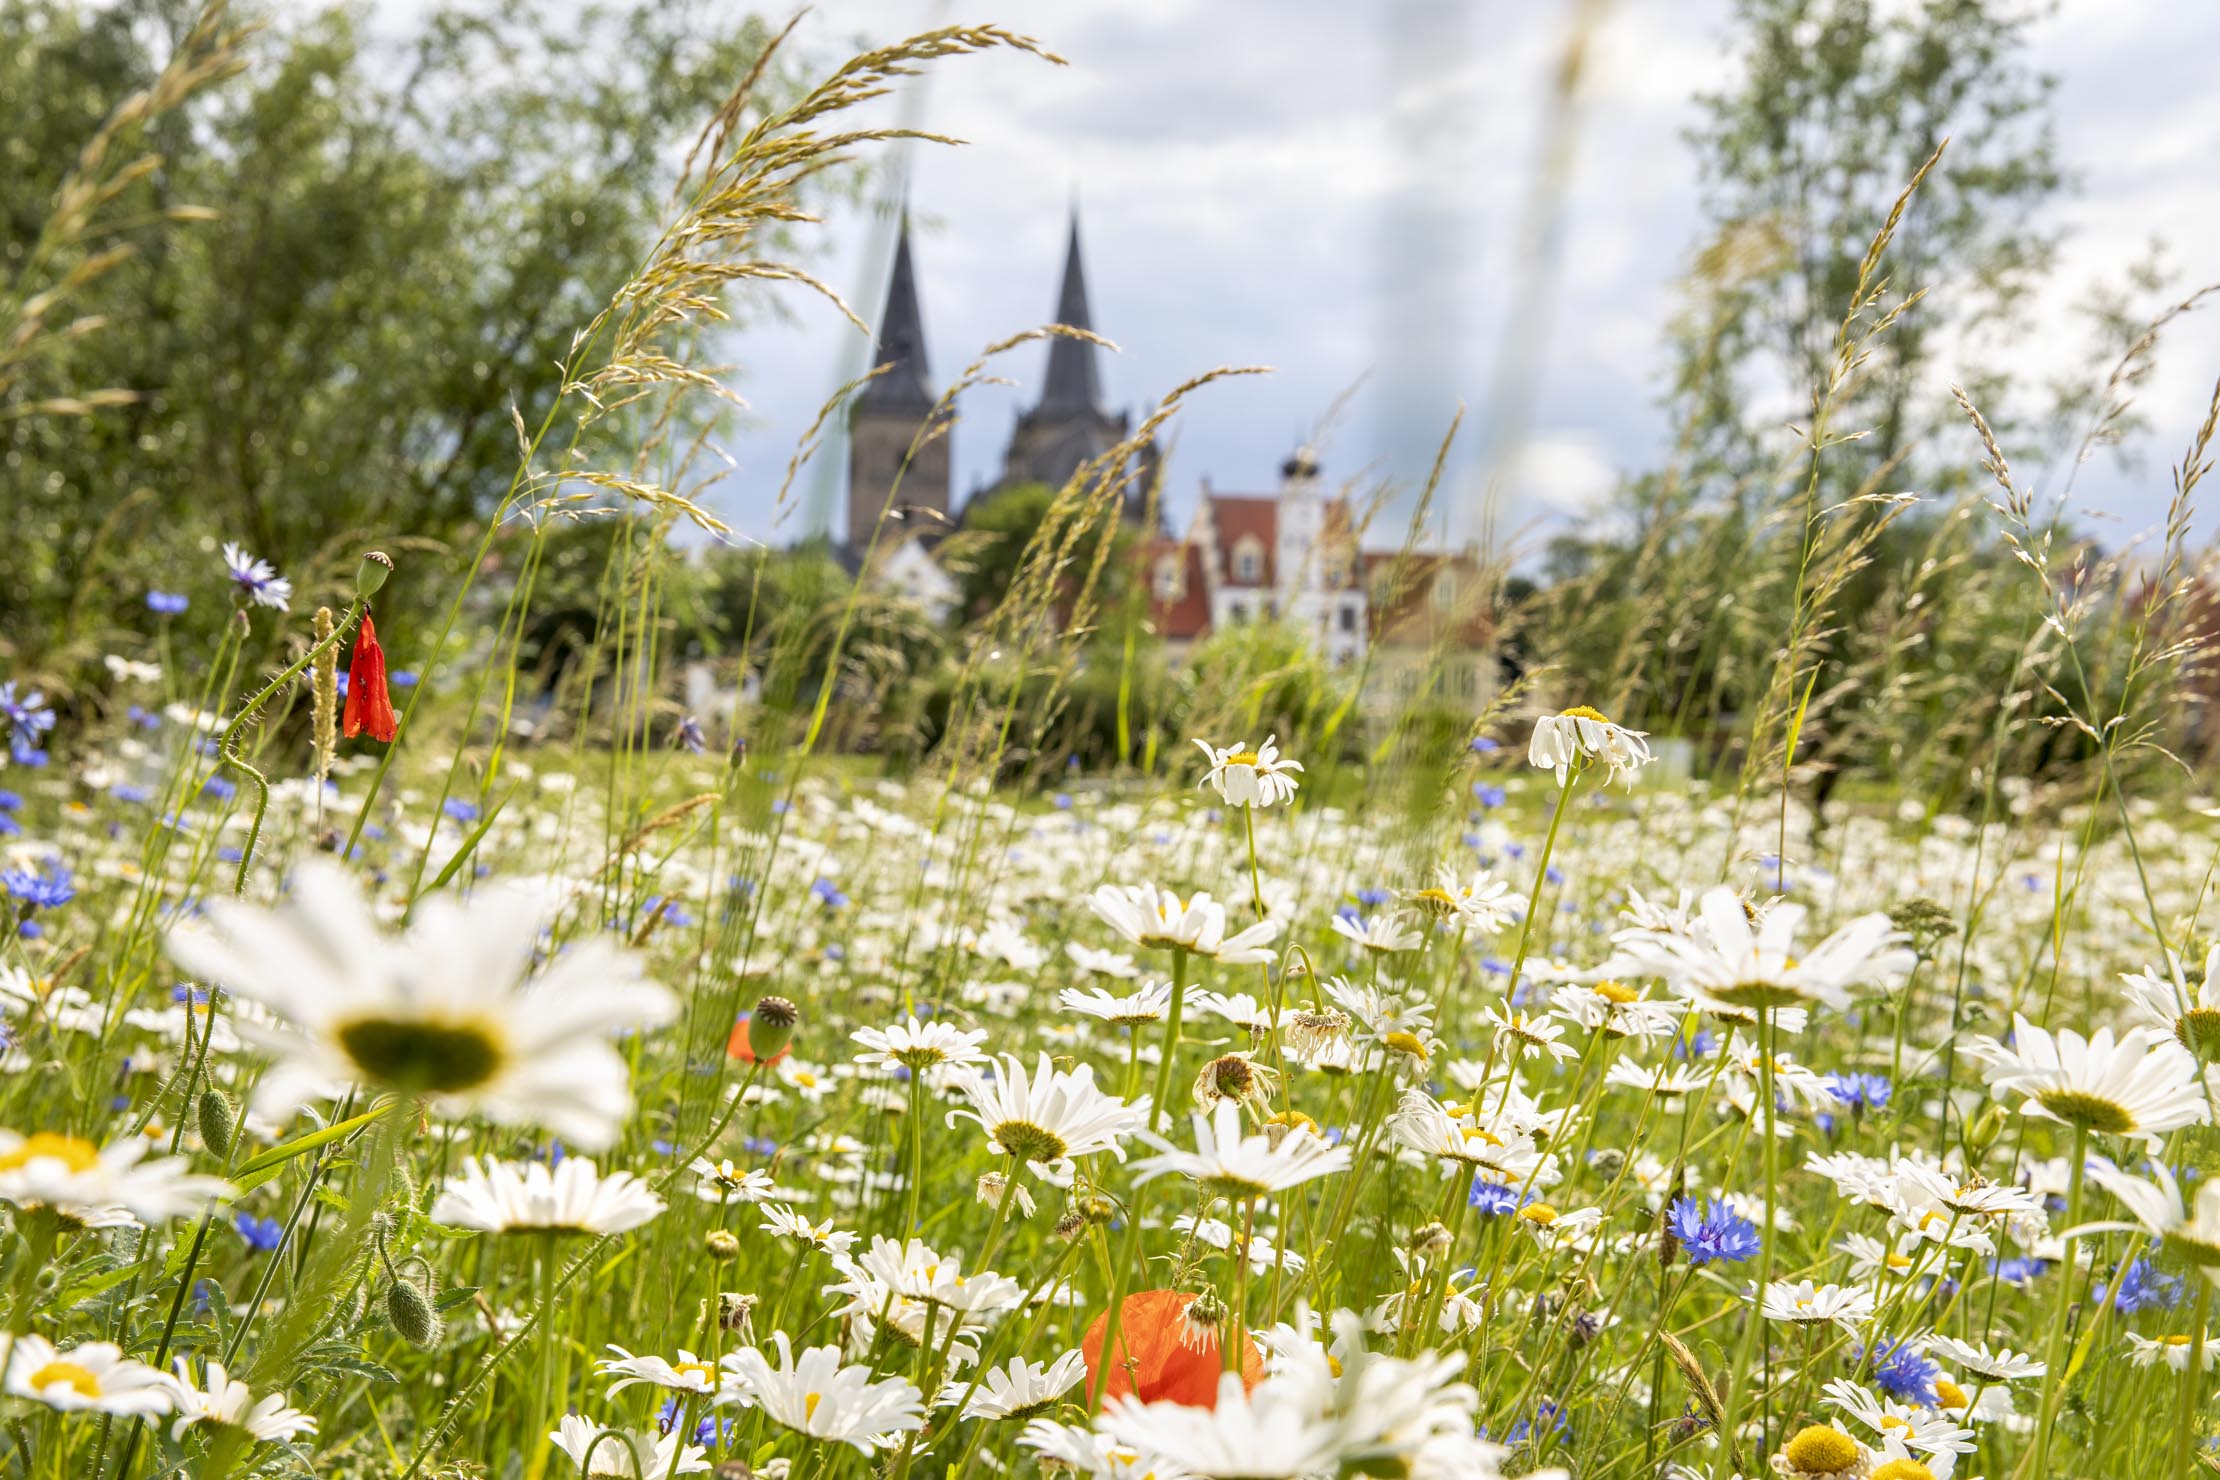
1248,561
1237,612
1348,619
1167,578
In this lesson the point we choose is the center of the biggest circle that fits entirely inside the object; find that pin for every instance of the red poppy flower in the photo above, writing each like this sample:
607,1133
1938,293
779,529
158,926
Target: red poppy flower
736,1047
369,706
1154,1360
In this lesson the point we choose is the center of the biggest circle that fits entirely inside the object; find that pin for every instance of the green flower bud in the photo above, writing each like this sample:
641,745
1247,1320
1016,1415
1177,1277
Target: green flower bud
219,1121
410,1310
371,574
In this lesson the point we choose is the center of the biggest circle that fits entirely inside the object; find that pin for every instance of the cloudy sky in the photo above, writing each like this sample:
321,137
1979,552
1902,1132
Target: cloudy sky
1340,192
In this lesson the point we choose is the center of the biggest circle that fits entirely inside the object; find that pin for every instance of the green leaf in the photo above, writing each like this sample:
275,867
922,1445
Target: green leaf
261,1167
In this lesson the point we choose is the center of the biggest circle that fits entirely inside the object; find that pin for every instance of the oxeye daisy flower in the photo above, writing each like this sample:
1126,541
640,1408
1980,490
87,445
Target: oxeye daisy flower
1049,1116
1226,1163
724,1181
2159,1206
221,1401
814,1395
918,1046
1019,1390
2176,1351
1583,734
2191,1015
510,1197
1147,1003
1899,1427
1250,778
88,1186
1382,935
1237,1077
608,1452
257,581
1279,1431
689,1374
2138,1085
1991,1364
786,1223
1802,1303
1483,904
1722,962
91,1377
446,1011
1154,917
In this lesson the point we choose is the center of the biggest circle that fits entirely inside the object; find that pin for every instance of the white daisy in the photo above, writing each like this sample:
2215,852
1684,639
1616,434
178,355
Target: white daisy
2169,1004
91,1377
1250,778
1581,733
1049,1116
1226,1163
222,1401
2160,1207
815,1395
1148,1003
1149,916
2139,1084
1279,1431
689,1374
1802,1303
605,1452
1382,935
526,1197
724,1181
444,1011
90,1186
786,1223
1998,1364
1721,962
1101,963
1018,1390
918,1046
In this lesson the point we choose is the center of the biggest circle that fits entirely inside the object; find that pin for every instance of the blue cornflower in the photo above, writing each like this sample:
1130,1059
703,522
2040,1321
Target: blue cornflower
1713,1232
257,580
28,718
263,1235
1549,1421
459,809
1062,801
1488,794
1905,1374
1372,899
166,603
1495,1199
828,894
48,889
2141,1288
687,735
1482,745
219,788
1859,1091
11,801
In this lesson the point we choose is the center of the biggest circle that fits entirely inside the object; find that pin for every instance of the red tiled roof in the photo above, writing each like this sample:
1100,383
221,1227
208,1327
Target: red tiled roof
1403,607
1238,516
1188,615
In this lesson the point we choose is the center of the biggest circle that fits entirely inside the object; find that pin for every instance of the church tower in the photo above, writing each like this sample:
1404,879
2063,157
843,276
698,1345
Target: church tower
1069,425
887,416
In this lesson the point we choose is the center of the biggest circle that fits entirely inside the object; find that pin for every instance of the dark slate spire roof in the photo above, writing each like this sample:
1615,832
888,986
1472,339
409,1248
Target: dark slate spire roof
906,387
1072,385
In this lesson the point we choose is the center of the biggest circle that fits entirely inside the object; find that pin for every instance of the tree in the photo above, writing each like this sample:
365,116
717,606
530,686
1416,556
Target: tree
403,243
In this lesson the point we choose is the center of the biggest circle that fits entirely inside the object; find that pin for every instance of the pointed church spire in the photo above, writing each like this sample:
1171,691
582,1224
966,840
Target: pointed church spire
908,384
1072,385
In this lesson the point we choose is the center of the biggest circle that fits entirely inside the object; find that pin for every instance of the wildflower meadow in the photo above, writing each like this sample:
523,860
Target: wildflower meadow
1764,1032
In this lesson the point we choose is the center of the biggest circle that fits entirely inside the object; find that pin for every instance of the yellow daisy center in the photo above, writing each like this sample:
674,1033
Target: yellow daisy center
1241,758
1902,1469
66,1374
1949,1395
1406,1043
423,1055
1821,1450
701,1370
809,1406
1618,992
78,1156
1582,711
1540,1212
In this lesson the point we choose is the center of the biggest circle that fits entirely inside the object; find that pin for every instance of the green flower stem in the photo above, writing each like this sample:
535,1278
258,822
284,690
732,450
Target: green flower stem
2037,1463
1171,1039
